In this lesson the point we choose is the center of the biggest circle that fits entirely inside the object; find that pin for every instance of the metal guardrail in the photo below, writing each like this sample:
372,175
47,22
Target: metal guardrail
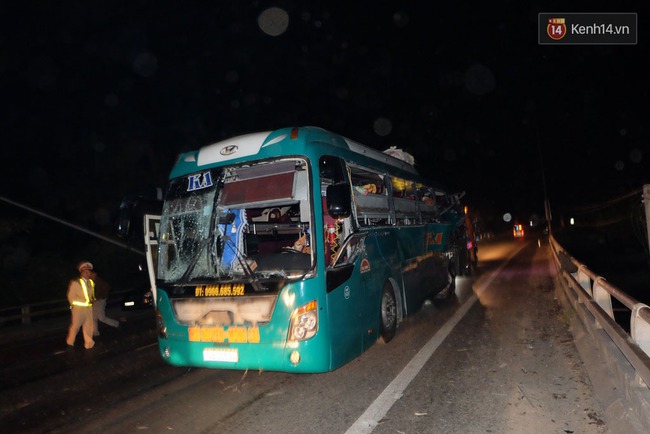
626,354
595,293
29,312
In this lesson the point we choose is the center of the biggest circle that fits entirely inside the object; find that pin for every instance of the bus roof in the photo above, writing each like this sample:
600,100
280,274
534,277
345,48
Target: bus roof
244,147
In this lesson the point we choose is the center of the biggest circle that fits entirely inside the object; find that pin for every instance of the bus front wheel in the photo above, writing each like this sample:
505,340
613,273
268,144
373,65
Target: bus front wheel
450,289
388,314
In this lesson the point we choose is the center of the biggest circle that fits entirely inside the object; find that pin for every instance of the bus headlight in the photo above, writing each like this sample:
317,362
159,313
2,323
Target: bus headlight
304,322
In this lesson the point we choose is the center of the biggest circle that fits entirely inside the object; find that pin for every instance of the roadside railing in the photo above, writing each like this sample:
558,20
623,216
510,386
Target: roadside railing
627,354
29,312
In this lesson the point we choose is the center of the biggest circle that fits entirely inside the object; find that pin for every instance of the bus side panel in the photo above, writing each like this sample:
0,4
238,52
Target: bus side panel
437,238
383,263
423,272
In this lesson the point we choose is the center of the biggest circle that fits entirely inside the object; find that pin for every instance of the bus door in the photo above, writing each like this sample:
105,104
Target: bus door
151,230
346,297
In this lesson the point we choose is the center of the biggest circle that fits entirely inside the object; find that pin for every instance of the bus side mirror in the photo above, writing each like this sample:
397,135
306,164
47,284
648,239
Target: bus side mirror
339,201
124,219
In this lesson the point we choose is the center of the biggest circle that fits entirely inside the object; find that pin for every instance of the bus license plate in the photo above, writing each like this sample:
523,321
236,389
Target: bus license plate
220,355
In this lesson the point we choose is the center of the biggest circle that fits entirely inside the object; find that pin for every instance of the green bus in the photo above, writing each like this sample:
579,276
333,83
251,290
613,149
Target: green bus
295,250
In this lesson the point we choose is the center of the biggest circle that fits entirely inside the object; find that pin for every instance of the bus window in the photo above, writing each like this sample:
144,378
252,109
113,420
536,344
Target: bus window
404,195
370,195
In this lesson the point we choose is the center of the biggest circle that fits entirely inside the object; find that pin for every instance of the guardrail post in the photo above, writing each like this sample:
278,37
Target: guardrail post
646,201
640,326
602,297
25,314
584,280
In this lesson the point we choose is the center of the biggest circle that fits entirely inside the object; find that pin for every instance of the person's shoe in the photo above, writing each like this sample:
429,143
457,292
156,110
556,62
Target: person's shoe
69,348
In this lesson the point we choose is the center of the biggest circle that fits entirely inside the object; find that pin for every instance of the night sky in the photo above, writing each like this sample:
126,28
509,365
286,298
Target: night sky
99,97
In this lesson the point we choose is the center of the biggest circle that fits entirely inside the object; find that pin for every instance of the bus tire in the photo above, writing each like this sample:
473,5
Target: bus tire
388,314
465,265
450,289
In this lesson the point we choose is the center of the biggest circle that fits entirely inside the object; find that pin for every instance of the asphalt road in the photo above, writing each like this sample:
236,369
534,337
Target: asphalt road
496,358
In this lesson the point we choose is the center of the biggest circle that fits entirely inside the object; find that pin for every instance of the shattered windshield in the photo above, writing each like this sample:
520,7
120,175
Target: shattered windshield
245,223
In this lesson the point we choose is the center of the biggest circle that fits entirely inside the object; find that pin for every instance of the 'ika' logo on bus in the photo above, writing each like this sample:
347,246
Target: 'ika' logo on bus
199,181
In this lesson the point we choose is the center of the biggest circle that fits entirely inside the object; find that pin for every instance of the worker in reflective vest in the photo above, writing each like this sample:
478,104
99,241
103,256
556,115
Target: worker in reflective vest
81,294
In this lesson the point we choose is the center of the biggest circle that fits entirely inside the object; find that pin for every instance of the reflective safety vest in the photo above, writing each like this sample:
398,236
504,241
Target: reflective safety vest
88,295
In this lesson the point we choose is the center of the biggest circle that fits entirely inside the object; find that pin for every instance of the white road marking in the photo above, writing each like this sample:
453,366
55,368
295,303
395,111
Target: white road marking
146,346
378,409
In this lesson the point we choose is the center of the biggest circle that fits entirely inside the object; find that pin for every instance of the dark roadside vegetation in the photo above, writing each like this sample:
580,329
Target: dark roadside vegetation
616,252
611,238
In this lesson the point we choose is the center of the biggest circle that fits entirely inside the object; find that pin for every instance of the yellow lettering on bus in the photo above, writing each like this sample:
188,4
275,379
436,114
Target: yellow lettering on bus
238,289
223,290
237,334
194,333
234,334
254,335
207,334
432,239
219,334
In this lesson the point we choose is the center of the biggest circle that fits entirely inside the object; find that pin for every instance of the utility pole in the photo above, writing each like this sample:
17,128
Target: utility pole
547,204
